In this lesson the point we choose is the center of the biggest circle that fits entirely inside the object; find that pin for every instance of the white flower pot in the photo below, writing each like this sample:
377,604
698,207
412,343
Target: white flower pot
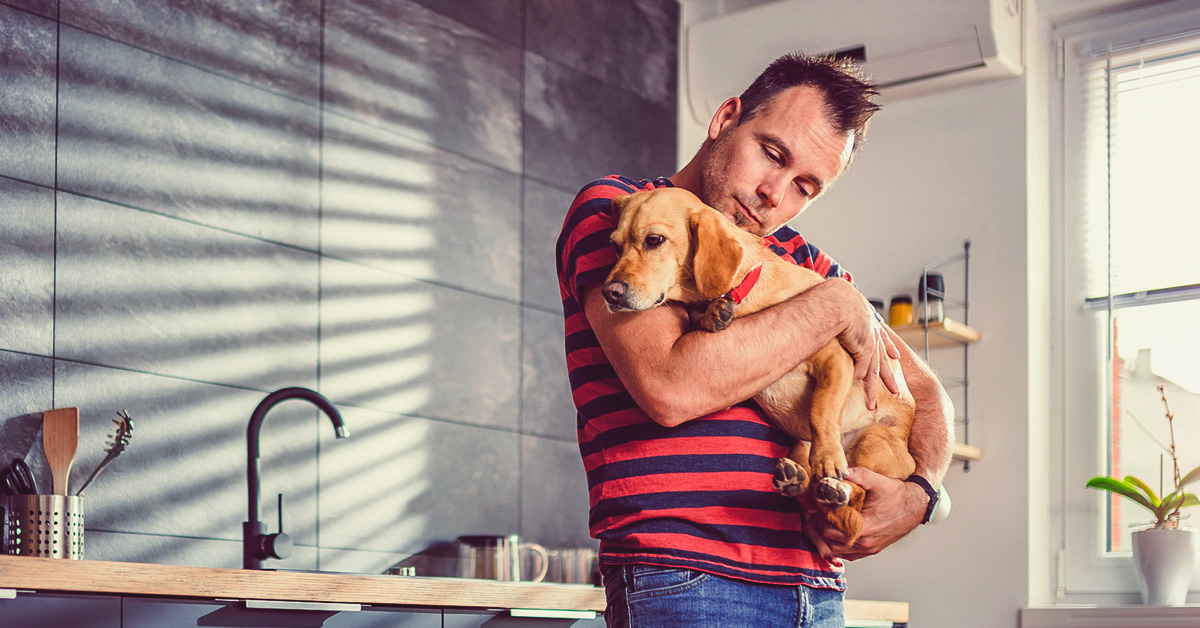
1165,561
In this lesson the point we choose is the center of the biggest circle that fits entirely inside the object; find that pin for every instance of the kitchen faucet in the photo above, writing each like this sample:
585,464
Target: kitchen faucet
257,546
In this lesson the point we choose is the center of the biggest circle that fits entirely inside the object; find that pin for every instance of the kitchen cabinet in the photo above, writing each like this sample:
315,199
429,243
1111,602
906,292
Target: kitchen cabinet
29,609
101,594
478,619
387,617
180,613
185,613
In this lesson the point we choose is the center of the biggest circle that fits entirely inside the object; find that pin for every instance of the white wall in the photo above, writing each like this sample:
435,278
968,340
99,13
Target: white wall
937,170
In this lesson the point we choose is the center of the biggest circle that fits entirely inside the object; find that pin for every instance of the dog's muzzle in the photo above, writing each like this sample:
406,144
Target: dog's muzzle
614,294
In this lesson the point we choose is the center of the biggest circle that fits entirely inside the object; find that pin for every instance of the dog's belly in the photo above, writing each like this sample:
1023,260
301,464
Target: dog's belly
788,403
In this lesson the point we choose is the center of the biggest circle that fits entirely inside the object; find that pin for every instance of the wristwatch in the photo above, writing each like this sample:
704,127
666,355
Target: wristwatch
930,491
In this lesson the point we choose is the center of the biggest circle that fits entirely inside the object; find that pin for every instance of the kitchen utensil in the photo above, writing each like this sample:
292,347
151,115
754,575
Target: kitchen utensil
122,431
16,479
49,526
497,557
60,437
572,565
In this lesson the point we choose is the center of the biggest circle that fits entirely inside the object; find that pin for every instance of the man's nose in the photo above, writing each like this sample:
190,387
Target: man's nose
771,192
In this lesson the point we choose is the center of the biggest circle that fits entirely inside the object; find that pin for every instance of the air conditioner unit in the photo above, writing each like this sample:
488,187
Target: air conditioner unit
909,46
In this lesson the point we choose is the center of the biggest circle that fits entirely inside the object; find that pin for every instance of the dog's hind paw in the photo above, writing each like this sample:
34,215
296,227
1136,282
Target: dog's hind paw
790,478
832,493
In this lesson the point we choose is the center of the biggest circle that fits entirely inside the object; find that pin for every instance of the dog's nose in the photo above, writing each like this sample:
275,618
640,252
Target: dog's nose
614,291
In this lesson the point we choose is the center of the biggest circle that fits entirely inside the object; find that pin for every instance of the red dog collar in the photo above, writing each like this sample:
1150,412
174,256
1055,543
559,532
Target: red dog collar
740,291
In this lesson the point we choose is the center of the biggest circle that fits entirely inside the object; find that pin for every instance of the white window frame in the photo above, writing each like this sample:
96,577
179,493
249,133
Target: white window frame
1084,571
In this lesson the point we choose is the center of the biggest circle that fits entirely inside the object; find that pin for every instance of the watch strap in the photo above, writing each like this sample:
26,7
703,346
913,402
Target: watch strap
930,491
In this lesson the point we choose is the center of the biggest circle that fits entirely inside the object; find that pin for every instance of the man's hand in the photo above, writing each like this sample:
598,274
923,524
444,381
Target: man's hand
878,365
892,509
869,343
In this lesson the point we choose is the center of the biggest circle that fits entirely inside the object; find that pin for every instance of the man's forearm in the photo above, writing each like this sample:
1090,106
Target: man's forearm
931,441
676,375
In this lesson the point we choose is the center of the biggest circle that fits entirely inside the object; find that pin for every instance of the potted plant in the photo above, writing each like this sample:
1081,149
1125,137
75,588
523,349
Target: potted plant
1164,554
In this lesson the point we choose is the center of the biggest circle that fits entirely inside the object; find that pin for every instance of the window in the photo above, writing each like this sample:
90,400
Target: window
1130,256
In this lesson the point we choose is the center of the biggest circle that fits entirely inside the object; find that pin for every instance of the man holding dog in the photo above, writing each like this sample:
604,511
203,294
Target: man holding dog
679,463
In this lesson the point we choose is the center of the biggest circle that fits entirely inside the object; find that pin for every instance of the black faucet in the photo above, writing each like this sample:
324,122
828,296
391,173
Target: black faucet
257,546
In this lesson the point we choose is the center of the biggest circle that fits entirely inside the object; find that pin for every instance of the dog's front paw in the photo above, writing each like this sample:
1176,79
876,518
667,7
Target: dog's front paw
829,464
719,314
790,478
832,493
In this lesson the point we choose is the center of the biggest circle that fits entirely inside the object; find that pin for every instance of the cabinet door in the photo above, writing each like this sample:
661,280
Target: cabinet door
178,613
56,609
387,617
478,619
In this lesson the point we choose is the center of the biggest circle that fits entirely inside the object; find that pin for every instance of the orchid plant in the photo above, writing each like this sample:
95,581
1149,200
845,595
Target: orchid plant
1166,509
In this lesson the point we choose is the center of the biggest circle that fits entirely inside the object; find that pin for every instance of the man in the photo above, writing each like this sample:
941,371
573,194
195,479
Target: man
679,464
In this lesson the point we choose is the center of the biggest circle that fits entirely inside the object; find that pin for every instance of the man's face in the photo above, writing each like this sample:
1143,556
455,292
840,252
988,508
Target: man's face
763,172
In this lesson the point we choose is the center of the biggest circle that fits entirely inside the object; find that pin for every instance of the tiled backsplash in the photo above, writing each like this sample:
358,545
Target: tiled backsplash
202,201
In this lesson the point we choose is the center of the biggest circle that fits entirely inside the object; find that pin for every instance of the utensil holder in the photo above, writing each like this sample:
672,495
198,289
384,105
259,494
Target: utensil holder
48,526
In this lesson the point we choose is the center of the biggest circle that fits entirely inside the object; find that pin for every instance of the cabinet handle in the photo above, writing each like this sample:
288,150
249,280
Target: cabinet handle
287,605
555,614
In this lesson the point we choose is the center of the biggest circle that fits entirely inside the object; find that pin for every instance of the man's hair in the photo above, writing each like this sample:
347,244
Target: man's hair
847,91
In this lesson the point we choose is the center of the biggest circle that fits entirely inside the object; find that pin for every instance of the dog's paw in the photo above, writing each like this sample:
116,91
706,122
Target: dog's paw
832,493
829,464
719,314
790,478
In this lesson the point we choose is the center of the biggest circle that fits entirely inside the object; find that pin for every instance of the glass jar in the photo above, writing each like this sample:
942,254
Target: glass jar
901,311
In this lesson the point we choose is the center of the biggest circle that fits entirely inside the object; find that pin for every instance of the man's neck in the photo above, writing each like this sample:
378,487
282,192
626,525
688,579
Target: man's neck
689,177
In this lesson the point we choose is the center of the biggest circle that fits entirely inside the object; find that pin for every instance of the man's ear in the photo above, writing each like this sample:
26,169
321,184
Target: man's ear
717,257
726,117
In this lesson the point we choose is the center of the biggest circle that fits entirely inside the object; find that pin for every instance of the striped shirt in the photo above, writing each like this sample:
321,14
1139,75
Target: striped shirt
695,496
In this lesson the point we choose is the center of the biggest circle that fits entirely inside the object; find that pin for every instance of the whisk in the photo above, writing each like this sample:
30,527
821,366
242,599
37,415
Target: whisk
120,439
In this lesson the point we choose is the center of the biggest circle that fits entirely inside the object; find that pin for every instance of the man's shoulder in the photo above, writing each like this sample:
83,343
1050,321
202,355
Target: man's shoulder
615,185
786,241
787,238
789,244
592,207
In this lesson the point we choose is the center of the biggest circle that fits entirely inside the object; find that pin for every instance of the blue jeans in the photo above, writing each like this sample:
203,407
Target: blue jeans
641,596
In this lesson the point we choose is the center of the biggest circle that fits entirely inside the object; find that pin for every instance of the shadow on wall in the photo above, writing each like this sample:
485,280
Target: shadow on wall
224,228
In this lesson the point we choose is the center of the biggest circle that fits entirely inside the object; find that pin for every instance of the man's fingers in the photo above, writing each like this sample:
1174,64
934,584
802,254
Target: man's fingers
865,478
889,378
893,352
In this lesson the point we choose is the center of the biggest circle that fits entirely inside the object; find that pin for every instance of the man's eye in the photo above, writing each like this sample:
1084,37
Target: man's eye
771,155
654,240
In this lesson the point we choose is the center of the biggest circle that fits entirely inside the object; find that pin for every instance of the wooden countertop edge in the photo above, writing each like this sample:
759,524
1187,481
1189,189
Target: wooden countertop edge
94,576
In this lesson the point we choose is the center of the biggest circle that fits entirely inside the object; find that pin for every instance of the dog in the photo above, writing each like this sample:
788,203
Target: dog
673,247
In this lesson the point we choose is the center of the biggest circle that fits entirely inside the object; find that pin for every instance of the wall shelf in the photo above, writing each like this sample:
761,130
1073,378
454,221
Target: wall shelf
944,333
965,453
948,333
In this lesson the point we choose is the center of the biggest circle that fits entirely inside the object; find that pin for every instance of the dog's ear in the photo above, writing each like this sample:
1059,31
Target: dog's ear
717,256
618,205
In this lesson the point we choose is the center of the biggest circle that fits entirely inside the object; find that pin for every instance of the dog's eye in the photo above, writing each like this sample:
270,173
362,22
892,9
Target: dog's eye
654,240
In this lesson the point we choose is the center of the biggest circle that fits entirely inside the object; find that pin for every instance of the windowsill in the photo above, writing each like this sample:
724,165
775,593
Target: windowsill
1095,616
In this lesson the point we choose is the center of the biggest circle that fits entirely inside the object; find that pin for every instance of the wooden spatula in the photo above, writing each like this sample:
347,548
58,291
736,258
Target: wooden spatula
60,436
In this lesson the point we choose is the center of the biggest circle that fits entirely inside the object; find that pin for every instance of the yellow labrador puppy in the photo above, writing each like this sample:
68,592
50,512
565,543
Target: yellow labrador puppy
674,247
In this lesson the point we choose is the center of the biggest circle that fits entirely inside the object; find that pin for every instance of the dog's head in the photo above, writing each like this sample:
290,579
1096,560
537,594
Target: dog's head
672,247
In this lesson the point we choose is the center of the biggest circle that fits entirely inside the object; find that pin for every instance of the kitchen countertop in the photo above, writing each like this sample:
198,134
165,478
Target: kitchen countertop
94,576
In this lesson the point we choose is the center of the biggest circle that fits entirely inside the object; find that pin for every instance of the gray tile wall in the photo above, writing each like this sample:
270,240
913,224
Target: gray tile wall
202,201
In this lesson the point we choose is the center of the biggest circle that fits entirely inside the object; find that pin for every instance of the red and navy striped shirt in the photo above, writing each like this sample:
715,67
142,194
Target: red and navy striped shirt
695,496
